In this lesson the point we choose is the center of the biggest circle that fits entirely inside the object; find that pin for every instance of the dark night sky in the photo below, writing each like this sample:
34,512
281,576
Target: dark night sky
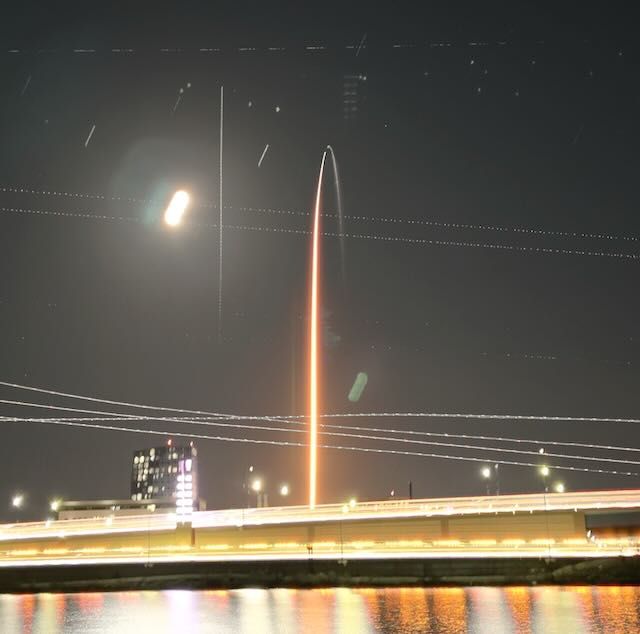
540,132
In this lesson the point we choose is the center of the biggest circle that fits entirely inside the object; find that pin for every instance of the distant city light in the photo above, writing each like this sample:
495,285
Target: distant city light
176,208
284,490
55,505
352,502
486,472
17,501
558,487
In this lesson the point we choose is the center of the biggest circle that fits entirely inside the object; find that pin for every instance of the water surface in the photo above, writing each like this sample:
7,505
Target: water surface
545,610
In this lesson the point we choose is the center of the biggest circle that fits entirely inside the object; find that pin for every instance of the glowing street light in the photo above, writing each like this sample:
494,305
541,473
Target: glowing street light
485,472
256,485
352,503
544,471
55,505
284,490
17,501
176,208
559,487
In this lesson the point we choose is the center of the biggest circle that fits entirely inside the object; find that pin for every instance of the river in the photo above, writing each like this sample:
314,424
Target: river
545,610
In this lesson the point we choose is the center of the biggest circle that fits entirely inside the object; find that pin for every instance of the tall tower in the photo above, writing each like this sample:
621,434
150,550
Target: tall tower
169,471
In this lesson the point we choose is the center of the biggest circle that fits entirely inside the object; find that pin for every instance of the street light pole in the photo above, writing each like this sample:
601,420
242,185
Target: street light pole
544,472
245,485
486,474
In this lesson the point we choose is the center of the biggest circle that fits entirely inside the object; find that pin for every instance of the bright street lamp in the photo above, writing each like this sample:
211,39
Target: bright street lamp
55,505
559,487
176,208
256,485
544,472
486,472
352,503
17,501
284,490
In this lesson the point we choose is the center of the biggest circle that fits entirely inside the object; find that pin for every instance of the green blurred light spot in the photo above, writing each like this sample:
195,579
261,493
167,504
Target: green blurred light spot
358,387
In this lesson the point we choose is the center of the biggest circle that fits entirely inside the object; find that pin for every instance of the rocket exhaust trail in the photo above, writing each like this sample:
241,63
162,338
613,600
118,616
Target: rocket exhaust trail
336,180
313,343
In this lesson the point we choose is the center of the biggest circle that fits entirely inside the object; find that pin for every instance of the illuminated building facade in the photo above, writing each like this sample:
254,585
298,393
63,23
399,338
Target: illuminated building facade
169,471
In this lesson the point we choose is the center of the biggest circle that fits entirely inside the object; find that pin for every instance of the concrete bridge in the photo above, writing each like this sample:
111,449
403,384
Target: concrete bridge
400,537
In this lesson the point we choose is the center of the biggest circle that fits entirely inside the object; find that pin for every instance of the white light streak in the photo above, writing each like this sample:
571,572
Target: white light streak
393,220
266,147
93,129
209,421
284,443
220,222
425,242
176,208
26,85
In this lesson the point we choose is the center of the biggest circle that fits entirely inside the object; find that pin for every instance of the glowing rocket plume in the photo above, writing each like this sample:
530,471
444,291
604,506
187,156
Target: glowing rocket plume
341,232
313,344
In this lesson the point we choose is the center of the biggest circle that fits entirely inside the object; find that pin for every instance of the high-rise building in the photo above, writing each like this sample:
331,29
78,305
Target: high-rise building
169,471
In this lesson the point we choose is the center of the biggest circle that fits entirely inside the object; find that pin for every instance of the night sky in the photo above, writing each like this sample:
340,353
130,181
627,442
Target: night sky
455,131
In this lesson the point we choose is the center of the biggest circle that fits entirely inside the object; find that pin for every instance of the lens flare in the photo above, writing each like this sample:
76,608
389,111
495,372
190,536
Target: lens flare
313,344
175,211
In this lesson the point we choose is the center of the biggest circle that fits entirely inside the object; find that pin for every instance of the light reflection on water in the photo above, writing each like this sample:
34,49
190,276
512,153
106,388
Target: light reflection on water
542,610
